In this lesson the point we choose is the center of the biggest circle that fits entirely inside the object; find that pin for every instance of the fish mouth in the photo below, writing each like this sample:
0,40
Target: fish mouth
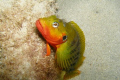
39,26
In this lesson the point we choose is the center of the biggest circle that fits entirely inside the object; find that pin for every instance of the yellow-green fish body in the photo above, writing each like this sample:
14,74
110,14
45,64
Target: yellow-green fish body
70,54
68,40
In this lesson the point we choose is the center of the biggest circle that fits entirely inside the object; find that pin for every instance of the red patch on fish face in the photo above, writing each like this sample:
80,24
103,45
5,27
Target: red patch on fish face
39,26
53,40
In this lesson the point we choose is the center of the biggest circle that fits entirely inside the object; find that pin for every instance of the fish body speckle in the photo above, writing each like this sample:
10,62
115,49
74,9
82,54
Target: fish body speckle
68,40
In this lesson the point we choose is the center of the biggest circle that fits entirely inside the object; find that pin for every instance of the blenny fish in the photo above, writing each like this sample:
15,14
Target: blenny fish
69,43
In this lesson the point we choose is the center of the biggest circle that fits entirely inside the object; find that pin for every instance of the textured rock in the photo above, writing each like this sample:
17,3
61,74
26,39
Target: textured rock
22,48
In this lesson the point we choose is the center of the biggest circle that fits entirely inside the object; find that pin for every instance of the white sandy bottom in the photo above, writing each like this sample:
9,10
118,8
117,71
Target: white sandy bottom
100,22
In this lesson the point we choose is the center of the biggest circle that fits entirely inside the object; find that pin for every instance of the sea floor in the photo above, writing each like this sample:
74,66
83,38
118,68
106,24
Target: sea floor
100,22
21,46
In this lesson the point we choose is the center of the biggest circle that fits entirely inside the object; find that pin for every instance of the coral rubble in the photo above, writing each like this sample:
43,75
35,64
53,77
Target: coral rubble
21,45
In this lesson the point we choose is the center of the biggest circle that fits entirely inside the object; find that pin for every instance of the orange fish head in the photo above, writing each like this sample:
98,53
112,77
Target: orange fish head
52,29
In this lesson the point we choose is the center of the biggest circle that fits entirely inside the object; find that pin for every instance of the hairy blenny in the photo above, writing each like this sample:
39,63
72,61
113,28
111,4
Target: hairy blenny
69,42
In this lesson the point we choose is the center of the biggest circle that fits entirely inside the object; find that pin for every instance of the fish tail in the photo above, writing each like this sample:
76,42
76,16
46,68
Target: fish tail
62,75
71,74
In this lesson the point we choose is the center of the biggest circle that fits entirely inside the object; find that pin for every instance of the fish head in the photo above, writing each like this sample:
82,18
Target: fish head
52,29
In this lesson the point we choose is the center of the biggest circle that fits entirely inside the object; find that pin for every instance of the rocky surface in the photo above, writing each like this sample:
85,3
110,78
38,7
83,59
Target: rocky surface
22,48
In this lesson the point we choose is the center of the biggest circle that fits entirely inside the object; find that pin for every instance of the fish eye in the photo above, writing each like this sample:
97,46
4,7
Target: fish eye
55,24
64,38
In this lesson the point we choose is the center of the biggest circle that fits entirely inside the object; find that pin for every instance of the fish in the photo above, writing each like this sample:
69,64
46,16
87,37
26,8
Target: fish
68,40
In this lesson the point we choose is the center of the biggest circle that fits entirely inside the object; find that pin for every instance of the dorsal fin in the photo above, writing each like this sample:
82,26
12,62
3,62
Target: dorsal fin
81,35
82,43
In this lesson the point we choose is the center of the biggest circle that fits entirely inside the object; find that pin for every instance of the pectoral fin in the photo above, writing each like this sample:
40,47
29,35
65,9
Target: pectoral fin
48,49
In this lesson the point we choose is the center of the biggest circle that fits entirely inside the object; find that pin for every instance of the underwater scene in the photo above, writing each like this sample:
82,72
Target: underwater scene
59,39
